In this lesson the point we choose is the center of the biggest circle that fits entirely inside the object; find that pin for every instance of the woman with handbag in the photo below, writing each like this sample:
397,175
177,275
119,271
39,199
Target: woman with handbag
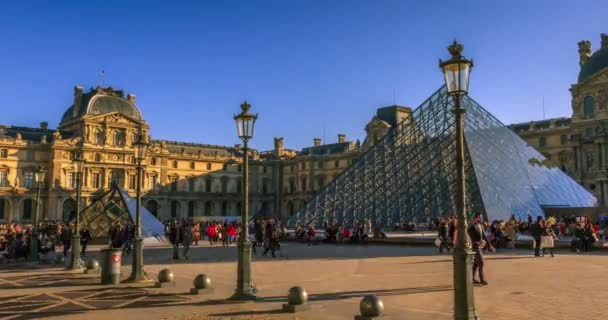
547,239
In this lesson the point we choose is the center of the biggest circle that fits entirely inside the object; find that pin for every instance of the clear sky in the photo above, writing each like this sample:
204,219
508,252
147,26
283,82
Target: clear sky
310,68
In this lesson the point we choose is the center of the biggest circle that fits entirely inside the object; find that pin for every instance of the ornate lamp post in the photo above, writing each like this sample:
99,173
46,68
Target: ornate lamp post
245,122
456,72
39,178
137,270
76,263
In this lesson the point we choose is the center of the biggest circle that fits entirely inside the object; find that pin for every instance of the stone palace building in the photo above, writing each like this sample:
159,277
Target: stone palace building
181,180
579,144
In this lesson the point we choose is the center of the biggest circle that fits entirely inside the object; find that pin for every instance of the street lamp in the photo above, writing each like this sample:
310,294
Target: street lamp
456,72
137,270
245,122
76,263
39,178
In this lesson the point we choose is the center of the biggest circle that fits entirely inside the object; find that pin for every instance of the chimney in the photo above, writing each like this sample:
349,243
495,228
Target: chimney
279,146
316,142
341,138
44,125
77,100
604,41
131,98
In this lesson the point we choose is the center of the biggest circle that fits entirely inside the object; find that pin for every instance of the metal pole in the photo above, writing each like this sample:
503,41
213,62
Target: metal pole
34,239
75,263
137,270
464,303
244,289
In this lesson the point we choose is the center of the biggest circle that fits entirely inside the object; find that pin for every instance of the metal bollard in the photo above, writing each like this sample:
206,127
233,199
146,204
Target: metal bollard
92,266
297,299
165,278
202,284
371,307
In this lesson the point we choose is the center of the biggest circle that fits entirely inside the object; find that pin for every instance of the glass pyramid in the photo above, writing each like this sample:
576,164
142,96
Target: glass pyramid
409,175
117,206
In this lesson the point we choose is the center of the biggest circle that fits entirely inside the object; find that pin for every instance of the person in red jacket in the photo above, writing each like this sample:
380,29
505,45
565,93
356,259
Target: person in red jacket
211,233
231,233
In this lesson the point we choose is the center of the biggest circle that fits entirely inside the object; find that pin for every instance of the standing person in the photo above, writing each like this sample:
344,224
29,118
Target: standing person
479,241
259,234
211,233
271,239
66,239
196,233
85,237
186,239
536,231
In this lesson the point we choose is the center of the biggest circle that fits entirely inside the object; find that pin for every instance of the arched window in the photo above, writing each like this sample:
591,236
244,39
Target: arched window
208,208
97,157
152,207
224,184
174,209
239,186
589,107
224,208
3,207
208,185
28,209
99,137
239,208
303,181
191,207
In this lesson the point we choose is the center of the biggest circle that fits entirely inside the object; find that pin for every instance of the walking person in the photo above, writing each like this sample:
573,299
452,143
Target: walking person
479,241
536,231
444,236
66,239
85,237
186,239
174,239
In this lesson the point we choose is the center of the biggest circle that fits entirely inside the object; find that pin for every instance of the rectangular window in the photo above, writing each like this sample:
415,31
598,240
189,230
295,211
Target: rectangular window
132,181
264,169
225,168
72,180
303,165
337,164
542,141
96,180
192,165
3,153
320,165
28,180
208,166
174,183
563,139
29,155
239,167
3,179
153,182
191,184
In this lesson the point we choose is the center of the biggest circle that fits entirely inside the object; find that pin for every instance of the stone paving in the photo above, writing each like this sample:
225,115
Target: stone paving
413,282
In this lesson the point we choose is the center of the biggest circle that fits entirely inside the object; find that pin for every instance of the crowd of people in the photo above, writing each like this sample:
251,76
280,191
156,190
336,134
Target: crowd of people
185,233
16,239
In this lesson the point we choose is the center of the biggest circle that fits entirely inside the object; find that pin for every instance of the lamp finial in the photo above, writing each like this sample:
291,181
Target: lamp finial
455,49
245,106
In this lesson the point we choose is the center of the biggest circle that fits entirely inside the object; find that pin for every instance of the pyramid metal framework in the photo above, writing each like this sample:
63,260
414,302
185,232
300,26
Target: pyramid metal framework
116,206
409,175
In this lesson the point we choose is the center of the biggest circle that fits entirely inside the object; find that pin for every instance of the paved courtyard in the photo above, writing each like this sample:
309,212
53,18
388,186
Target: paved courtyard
413,282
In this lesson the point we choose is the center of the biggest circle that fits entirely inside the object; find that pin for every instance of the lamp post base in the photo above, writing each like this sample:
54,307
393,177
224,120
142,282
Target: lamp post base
464,302
75,262
137,270
244,288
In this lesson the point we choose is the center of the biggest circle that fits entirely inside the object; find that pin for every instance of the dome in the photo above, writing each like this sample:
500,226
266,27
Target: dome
596,63
101,101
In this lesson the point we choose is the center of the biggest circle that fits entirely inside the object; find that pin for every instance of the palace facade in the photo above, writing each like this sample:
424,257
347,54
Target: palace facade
181,180
579,144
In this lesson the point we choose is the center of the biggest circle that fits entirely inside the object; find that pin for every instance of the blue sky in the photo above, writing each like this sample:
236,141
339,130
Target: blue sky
310,68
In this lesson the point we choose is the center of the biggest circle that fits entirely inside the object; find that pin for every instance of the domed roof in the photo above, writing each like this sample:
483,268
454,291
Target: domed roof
596,63
101,101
